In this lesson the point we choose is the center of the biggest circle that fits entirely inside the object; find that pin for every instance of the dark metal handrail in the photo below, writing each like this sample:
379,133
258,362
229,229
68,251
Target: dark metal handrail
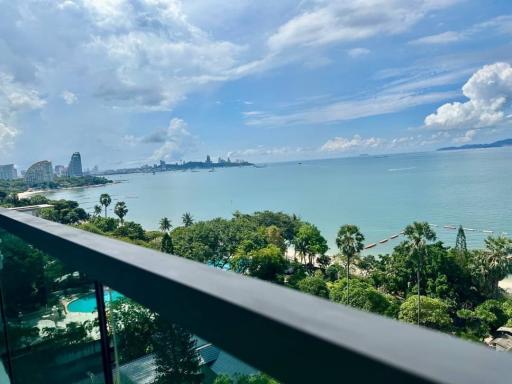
296,338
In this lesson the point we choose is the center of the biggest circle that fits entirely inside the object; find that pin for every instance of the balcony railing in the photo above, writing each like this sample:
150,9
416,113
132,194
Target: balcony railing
294,337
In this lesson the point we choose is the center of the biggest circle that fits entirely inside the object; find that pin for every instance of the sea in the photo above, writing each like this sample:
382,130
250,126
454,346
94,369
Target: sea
380,194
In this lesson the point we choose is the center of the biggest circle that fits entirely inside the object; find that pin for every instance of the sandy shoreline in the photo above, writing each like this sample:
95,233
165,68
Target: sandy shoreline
31,192
506,284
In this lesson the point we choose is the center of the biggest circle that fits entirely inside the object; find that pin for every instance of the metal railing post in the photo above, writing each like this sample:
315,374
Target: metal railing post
105,344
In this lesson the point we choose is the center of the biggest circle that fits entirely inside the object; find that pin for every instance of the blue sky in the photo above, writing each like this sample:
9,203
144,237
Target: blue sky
132,82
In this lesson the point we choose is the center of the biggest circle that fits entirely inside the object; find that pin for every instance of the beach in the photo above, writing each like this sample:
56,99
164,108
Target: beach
32,192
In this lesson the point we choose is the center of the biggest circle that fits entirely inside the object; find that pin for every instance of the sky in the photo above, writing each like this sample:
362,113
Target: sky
130,82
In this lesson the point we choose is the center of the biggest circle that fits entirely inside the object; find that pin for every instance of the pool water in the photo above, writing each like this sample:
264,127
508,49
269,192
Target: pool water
88,303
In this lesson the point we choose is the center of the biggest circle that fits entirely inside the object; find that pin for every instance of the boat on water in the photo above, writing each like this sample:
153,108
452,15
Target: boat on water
449,227
383,241
469,229
433,225
370,246
487,231
394,236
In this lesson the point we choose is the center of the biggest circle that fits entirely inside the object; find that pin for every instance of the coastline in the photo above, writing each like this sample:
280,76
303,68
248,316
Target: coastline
30,192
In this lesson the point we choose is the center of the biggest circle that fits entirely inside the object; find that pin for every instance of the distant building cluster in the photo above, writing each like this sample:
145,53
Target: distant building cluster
43,171
8,172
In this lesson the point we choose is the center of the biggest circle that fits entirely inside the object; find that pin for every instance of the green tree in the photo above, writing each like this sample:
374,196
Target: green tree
266,263
308,242
187,219
165,224
496,261
130,230
23,275
64,212
350,242
363,296
121,210
273,236
105,201
435,313
314,285
97,210
483,320
135,325
175,355
460,242
417,234
288,224
213,242
166,244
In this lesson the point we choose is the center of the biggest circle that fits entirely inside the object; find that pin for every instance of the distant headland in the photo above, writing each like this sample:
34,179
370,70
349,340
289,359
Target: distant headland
496,144
181,166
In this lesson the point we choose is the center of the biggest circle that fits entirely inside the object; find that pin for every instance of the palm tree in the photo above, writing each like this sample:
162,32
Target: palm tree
97,210
496,260
105,201
418,233
121,210
165,224
350,243
187,219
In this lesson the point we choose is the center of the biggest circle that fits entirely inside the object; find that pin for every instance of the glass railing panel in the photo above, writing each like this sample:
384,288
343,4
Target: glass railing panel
52,326
148,348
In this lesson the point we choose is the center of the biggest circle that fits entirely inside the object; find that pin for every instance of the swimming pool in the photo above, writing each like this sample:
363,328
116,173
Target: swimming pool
88,303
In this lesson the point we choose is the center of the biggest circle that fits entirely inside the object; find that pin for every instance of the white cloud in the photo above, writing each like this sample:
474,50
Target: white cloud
158,68
379,104
489,91
343,144
110,13
14,98
466,138
7,135
440,38
69,97
358,52
134,54
176,138
501,25
344,21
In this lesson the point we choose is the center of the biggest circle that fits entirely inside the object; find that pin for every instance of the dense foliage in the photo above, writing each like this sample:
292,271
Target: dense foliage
422,281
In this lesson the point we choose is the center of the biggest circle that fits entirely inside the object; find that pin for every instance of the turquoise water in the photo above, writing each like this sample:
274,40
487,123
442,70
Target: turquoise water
380,194
88,303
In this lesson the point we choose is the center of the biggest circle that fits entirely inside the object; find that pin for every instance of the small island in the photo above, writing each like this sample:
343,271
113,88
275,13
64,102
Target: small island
496,144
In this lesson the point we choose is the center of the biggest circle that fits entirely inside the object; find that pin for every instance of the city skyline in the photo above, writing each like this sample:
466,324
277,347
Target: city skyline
173,80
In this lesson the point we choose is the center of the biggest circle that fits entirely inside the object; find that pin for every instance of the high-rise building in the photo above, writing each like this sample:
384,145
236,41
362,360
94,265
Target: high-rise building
8,172
39,173
75,166
60,170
